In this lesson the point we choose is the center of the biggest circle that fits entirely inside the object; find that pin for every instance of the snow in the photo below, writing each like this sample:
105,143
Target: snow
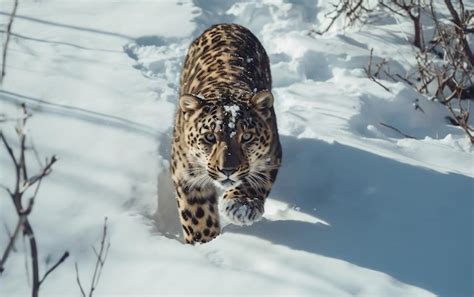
231,110
357,210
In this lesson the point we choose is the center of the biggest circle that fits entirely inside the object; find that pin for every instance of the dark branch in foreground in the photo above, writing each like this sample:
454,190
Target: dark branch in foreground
60,261
22,184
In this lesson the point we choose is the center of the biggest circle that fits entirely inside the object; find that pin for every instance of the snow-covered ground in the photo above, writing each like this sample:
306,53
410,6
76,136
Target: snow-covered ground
357,210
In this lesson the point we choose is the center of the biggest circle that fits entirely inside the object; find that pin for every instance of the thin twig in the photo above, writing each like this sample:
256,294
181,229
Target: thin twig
78,280
11,243
61,260
9,149
368,71
101,256
45,172
404,79
352,10
7,40
7,230
397,130
100,262
372,78
462,119
35,151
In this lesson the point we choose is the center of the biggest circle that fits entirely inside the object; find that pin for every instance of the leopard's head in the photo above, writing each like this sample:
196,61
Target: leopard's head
229,142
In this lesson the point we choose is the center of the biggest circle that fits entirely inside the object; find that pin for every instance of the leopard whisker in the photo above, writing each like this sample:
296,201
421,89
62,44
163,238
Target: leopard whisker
251,181
199,181
260,178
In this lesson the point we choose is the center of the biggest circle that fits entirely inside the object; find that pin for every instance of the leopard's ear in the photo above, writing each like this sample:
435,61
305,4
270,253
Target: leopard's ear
189,103
262,100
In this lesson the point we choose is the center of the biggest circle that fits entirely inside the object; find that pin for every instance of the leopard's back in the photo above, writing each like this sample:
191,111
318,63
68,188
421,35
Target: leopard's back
226,62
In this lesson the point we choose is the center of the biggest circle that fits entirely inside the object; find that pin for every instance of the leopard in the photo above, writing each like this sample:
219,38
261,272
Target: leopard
226,150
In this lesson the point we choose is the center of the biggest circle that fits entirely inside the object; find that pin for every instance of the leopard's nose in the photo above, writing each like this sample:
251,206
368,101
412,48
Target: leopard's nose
228,171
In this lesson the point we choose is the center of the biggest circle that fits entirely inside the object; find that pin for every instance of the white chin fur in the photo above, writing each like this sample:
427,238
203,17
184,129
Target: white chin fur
226,187
238,213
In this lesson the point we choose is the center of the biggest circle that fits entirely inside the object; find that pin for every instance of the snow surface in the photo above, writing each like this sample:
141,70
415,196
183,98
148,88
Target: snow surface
357,210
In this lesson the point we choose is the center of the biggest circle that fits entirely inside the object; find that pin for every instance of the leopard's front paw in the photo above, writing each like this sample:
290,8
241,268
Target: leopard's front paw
242,211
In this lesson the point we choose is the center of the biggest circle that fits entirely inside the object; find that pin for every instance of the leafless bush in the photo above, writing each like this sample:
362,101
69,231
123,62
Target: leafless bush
449,60
23,183
444,67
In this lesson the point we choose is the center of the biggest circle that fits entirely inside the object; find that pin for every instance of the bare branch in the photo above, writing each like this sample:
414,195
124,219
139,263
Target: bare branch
372,78
461,118
100,259
398,131
11,243
7,40
411,9
352,10
404,79
9,149
101,256
22,135
35,151
61,260
44,172
6,189
78,280
7,230
460,26
391,9
22,184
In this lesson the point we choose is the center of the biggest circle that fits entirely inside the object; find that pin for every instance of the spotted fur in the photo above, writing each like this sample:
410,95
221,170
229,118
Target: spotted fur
225,136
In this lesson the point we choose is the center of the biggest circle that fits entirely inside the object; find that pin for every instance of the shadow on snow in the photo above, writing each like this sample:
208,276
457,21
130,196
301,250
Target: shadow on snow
410,223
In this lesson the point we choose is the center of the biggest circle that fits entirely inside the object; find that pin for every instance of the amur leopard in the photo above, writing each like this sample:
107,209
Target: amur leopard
226,151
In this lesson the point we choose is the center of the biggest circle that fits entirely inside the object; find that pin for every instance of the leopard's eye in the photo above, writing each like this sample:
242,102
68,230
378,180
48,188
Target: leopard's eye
247,136
210,138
